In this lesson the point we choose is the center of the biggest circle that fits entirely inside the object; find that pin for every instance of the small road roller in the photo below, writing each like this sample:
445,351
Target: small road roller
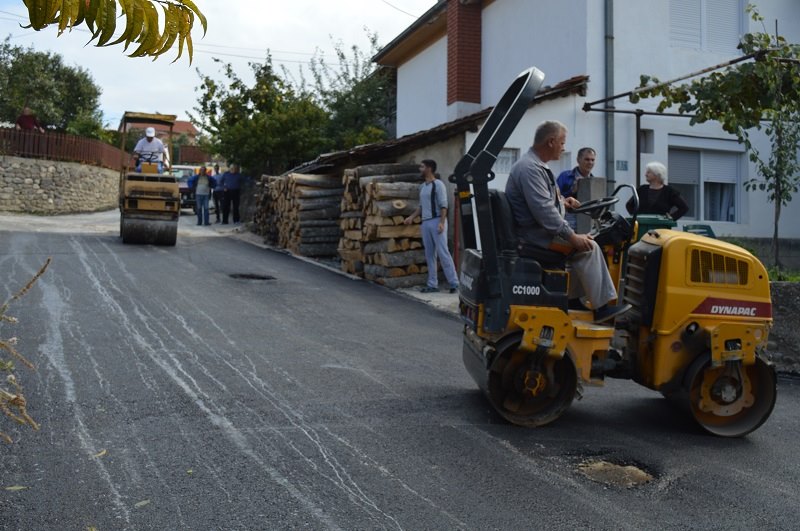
697,330
149,200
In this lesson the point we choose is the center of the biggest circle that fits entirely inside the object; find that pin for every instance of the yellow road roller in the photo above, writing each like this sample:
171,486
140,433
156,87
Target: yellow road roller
149,198
697,330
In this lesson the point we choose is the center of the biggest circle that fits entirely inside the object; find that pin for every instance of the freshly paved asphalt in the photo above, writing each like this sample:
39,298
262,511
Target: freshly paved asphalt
222,385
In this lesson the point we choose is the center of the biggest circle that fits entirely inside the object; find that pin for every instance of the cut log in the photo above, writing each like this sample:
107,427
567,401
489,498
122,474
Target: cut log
317,204
403,258
380,271
380,220
403,282
317,239
317,223
316,249
352,267
382,246
398,231
320,231
318,181
307,191
323,213
398,190
398,178
394,207
351,255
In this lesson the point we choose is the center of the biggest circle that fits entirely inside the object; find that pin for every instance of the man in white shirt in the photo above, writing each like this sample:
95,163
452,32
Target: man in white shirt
149,149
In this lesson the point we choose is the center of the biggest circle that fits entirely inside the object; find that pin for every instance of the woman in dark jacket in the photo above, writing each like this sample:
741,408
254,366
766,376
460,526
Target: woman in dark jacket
657,197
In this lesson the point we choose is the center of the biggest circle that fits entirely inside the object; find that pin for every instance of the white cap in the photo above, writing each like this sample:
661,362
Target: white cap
149,132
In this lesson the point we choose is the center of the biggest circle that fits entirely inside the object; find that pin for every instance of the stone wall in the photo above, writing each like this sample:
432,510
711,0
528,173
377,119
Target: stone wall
36,186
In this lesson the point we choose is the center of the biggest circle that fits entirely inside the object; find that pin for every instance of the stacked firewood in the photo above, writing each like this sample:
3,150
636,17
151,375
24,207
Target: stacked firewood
302,212
377,243
351,248
265,217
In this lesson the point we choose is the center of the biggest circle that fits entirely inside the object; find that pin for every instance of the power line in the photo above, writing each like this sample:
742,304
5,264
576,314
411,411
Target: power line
274,60
397,8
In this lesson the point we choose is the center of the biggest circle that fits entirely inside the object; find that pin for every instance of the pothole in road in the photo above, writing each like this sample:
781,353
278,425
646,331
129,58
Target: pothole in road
250,276
614,475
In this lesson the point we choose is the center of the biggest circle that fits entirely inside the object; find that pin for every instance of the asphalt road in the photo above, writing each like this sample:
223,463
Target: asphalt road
173,394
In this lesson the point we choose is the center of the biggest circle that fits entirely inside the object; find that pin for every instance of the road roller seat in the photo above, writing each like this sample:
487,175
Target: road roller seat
507,241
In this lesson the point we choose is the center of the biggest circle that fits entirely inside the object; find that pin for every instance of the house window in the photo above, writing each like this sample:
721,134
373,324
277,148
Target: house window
708,180
505,159
710,25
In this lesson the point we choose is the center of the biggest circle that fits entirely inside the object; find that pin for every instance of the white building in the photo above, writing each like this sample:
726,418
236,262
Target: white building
461,56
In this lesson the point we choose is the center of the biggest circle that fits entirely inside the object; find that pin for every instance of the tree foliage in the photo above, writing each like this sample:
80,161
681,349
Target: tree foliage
267,127
278,123
62,97
758,95
142,25
355,94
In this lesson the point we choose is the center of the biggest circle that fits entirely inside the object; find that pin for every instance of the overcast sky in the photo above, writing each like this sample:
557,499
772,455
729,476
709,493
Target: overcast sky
239,31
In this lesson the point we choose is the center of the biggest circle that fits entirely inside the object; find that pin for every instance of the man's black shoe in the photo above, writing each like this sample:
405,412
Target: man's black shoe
576,304
428,289
608,313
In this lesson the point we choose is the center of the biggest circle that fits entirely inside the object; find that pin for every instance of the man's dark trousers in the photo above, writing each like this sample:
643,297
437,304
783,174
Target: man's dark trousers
231,200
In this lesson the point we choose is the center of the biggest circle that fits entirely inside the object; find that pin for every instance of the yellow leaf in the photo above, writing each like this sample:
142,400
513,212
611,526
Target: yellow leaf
190,5
142,503
127,10
109,22
101,453
16,488
91,15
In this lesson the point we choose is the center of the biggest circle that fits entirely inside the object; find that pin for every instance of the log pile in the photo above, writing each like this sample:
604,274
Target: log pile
301,213
351,248
265,218
375,243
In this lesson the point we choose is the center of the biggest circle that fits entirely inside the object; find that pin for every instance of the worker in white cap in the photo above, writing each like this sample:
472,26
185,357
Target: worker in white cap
149,149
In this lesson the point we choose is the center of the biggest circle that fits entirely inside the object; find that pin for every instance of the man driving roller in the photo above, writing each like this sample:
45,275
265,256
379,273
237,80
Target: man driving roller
149,149
538,210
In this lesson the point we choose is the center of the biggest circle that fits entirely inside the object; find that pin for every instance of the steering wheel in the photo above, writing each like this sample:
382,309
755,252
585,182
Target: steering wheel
595,205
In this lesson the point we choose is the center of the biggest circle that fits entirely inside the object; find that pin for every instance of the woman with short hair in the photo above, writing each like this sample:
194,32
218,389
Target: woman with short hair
657,197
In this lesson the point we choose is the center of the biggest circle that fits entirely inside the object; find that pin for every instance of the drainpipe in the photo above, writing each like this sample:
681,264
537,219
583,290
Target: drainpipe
609,116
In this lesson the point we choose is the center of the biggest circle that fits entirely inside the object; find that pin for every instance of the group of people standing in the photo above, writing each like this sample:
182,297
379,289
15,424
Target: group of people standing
225,190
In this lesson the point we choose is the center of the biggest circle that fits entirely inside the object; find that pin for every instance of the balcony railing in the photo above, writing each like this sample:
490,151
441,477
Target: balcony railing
60,146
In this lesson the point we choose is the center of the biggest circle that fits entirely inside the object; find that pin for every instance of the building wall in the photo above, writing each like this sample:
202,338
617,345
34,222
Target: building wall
565,39
649,50
422,90
518,34
35,186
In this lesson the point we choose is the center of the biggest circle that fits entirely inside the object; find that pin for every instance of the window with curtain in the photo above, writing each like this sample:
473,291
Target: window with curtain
708,180
505,159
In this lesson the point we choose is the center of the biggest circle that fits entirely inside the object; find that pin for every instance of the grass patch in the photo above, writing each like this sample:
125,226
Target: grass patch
783,275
